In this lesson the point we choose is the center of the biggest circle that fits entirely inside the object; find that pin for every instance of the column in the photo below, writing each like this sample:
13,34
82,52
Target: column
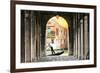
22,36
38,49
33,37
79,36
86,34
74,28
81,23
27,37
79,46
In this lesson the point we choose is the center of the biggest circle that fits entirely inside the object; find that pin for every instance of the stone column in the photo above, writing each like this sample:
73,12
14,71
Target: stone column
74,28
78,37
27,36
86,40
38,41
33,37
79,46
22,36
81,23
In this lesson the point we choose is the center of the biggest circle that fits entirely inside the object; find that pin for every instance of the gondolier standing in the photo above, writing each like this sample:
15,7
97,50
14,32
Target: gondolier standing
51,45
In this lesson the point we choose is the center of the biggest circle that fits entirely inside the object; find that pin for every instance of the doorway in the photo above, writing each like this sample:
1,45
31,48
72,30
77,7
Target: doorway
57,37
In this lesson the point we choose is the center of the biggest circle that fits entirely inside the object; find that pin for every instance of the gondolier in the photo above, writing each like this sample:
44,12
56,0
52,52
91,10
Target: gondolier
51,45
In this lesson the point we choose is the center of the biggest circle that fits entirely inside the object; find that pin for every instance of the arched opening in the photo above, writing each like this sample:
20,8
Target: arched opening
57,37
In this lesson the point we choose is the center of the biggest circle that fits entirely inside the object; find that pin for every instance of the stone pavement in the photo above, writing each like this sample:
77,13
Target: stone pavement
57,58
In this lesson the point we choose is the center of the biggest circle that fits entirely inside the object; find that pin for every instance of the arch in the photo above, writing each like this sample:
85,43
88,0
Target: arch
57,30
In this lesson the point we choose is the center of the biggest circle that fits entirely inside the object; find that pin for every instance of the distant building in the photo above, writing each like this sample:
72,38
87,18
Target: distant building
57,32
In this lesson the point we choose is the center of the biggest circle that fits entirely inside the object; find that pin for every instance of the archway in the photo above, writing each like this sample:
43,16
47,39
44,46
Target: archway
57,37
